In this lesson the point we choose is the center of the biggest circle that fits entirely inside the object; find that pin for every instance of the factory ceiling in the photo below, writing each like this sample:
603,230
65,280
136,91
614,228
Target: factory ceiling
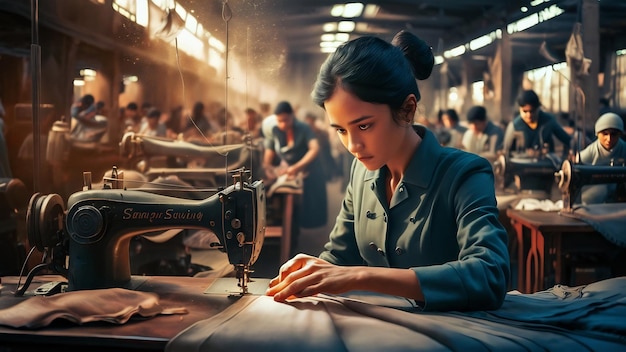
296,27
272,30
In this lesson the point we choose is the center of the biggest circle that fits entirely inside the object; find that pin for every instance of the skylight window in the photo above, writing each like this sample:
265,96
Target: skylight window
349,10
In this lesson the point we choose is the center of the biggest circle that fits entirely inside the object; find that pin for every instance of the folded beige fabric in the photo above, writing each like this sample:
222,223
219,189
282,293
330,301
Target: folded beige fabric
113,305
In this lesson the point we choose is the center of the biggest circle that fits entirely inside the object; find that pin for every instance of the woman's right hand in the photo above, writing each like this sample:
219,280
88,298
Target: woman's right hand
270,174
305,275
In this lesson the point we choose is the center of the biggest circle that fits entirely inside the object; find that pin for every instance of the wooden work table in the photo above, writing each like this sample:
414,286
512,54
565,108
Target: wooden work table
544,240
151,334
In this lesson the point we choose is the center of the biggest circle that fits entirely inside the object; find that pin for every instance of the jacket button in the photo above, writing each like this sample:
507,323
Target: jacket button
385,217
399,251
372,186
377,249
370,215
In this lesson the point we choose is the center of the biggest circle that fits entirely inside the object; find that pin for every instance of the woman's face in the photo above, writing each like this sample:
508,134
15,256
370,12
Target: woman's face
153,122
447,121
367,130
608,138
478,126
284,121
529,113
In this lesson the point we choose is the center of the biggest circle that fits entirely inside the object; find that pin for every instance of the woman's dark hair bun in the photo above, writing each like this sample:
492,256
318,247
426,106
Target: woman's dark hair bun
419,54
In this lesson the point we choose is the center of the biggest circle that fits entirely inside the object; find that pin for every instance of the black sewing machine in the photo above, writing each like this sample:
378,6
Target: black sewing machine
525,169
571,178
95,231
526,173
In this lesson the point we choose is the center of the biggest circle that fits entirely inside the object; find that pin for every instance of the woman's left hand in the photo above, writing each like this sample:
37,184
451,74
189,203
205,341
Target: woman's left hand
305,275
292,171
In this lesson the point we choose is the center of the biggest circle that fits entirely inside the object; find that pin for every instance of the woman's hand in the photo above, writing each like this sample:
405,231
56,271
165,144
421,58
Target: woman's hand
270,174
292,171
305,275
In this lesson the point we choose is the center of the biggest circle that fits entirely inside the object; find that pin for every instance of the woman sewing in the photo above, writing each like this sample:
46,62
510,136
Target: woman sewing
607,150
293,142
418,220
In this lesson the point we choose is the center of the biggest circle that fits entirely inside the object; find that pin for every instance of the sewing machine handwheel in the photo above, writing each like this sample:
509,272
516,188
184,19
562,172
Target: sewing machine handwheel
564,175
499,166
44,219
